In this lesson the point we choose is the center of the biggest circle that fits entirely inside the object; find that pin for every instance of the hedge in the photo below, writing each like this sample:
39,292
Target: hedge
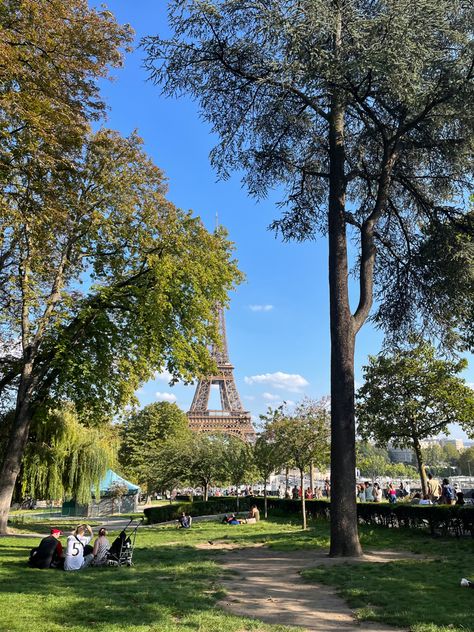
437,519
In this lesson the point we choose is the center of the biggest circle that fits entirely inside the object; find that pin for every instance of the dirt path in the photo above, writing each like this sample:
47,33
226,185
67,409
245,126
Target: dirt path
266,584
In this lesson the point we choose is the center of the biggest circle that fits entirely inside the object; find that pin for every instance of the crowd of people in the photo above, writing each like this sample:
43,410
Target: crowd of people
78,552
438,493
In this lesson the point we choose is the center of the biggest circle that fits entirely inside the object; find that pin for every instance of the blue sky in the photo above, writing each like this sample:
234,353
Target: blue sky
278,324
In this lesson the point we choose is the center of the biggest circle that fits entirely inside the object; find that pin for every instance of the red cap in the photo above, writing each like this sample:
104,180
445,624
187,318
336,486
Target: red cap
56,531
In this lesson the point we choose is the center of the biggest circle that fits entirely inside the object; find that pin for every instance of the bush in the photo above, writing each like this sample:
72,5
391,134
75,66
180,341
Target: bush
442,519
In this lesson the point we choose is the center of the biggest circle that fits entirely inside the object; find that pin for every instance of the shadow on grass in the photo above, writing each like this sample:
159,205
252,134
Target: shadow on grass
423,595
164,585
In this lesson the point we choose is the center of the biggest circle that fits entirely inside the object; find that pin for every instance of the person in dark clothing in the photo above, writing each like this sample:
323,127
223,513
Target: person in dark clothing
49,553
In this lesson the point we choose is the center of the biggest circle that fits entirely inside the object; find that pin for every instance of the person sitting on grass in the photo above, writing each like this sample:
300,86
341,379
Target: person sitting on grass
78,551
49,553
184,521
101,548
253,515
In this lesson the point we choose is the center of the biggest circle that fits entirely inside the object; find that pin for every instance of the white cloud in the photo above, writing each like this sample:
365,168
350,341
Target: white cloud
271,397
261,308
290,382
165,397
163,376
470,384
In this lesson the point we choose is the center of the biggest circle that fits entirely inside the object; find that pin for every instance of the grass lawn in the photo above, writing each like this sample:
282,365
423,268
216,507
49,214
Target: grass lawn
174,585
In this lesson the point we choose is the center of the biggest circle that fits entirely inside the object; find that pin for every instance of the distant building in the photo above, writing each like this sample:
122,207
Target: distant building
400,455
442,441
457,443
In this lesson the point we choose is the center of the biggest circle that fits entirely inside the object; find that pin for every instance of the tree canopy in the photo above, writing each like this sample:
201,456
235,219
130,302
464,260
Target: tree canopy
360,112
103,281
411,395
303,438
145,443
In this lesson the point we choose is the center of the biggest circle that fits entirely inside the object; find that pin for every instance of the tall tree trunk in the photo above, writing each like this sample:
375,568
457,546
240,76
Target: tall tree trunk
421,467
287,481
303,501
206,492
344,533
237,500
16,445
311,477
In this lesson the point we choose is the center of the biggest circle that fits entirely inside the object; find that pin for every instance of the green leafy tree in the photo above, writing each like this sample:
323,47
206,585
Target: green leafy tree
170,465
267,454
63,458
53,54
433,457
360,112
412,395
144,443
116,492
154,276
372,460
466,461
238,463
206,461
303,438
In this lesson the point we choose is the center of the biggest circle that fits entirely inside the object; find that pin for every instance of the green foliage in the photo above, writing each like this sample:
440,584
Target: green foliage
64,458
371,460
238,462
149,439
400,75
302,437
412,395
466,461
206,458
267,452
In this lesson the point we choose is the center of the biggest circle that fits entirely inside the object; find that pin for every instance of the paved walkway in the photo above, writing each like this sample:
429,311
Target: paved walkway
266,584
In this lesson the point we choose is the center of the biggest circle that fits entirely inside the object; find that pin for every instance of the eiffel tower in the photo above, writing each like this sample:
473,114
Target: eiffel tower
232,419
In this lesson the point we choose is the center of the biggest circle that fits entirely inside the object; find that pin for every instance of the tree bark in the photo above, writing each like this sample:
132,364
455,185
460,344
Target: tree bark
206,492
16,444
421,467
303,502
287,481
344,532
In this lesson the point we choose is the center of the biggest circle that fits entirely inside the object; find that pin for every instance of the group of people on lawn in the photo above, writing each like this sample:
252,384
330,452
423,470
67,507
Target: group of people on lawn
438,493
253,517
77,554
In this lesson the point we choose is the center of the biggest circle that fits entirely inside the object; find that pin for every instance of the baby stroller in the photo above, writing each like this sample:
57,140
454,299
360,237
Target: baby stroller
121,551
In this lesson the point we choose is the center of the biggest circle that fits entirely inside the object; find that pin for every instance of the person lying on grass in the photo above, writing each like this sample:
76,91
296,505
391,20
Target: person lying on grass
49,553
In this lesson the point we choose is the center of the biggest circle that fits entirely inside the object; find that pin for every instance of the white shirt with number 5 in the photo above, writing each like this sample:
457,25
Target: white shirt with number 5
75,552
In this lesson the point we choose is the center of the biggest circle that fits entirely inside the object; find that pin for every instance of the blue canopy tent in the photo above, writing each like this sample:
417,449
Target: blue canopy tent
117,495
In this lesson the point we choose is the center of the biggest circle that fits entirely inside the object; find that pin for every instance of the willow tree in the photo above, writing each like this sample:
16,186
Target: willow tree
64,458
361,111
106,282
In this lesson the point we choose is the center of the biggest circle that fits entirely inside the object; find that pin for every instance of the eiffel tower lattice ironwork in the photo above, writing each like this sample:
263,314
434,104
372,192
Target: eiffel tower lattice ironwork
232,419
